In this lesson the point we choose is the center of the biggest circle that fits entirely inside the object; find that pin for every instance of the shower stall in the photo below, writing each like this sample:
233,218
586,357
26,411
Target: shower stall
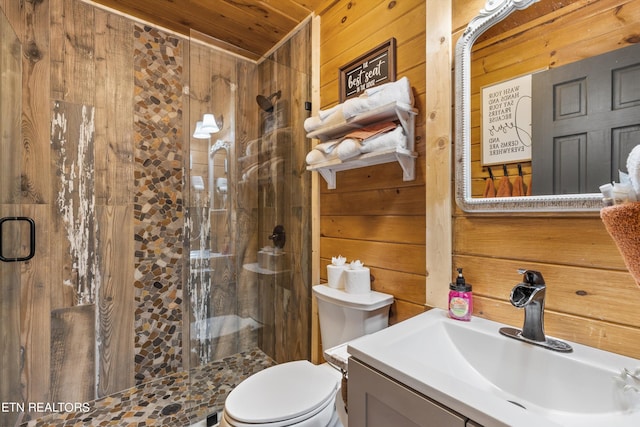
248,212
134,246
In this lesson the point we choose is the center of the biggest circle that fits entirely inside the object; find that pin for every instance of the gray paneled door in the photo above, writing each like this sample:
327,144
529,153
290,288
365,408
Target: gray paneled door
586,120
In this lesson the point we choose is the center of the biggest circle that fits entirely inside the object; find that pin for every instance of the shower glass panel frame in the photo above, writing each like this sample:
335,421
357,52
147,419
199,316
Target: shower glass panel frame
242,181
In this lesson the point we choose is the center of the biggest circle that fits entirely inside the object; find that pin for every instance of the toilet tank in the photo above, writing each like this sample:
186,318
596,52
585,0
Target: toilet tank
344,316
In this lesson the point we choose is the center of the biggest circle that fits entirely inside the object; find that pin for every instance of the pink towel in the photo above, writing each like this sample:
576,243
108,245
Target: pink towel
623,225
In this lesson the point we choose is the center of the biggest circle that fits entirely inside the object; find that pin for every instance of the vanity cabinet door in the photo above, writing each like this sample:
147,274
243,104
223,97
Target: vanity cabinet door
375,400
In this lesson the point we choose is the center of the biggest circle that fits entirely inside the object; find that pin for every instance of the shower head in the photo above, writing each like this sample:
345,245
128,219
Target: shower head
265,103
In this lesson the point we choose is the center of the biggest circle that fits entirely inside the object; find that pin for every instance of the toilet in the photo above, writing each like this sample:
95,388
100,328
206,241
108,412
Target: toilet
300,393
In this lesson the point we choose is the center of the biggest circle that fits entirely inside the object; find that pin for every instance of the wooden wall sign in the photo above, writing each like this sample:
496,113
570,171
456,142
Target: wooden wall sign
375,67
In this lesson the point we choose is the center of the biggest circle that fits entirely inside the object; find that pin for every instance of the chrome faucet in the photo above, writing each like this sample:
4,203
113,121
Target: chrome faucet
530,295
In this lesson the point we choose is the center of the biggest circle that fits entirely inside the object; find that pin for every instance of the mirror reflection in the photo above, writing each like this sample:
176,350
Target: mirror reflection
523,72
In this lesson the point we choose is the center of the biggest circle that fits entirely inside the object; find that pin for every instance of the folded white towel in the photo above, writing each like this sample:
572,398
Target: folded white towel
394,139
318,156
348,148
401,86
323,114
314,123
398,91
327,147
354,106
633,167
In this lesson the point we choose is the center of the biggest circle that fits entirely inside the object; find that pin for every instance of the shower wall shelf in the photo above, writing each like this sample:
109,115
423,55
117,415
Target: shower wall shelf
406,157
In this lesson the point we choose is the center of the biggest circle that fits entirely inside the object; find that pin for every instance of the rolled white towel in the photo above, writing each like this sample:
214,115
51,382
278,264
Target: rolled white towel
394,139
315,123
348,148
312,123
327,147
317,156
324,114
633,167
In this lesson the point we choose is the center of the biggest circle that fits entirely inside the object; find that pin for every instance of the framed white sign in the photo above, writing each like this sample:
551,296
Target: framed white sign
506,122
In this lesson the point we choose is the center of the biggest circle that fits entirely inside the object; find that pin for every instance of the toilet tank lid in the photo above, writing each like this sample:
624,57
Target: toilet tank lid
368,301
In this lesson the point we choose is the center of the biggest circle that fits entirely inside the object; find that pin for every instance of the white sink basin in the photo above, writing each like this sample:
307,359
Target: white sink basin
496,380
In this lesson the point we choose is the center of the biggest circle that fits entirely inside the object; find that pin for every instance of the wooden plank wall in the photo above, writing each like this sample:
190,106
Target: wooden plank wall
284,199
591,298
373,215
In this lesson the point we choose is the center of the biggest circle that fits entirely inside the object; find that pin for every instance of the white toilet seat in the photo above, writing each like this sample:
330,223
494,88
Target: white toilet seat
294,393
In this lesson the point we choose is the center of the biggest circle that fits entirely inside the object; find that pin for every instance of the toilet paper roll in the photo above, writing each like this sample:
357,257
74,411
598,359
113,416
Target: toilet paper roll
335,275
357,281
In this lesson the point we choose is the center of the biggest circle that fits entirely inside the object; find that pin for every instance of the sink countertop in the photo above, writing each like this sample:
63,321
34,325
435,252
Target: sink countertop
409,352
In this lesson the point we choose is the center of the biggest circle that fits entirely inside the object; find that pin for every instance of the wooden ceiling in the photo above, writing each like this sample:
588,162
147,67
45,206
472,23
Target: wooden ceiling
247,27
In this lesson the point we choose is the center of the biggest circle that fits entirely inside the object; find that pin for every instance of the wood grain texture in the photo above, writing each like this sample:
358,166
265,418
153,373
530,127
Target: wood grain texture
439,147
73,52
73,354
114,109
251,29
10,286
115,300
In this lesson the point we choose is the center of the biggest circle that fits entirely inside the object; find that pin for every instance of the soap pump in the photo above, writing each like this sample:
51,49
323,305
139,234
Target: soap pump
460,298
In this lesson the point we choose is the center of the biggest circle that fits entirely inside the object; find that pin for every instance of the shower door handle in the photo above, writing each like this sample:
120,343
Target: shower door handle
32,238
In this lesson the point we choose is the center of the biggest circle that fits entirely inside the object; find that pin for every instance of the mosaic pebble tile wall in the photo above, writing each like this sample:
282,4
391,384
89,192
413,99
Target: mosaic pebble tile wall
158,202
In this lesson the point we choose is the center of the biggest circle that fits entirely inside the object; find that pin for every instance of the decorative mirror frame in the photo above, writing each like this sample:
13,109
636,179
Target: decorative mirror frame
493,12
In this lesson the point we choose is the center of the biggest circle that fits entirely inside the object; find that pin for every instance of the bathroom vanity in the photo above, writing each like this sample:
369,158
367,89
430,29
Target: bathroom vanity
431,370
376,400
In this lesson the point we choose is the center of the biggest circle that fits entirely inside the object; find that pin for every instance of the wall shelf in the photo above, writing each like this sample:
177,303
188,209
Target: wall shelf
404,156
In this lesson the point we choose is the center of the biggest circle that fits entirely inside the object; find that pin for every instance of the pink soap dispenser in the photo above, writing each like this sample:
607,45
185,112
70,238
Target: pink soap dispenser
460,299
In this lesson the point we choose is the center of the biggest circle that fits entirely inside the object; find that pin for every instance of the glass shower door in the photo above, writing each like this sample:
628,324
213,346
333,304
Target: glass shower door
15,229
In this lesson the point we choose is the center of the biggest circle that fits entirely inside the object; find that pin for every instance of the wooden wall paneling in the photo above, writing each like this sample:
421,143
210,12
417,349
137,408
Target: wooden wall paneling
439,149
316,268
11,118
115,300
388,228
299,324
10,313
361,20
73,51
74,278
385,201
31,23
579,291
35,310
394,256
114,109
73,337
579,241
405,21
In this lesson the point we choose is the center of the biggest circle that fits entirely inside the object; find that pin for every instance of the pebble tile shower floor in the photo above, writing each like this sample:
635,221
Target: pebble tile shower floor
175,400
